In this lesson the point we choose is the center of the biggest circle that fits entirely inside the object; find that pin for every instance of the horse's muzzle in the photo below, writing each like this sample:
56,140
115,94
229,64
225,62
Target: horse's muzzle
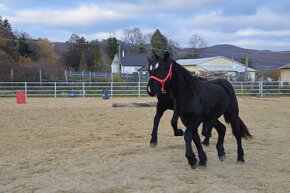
150,92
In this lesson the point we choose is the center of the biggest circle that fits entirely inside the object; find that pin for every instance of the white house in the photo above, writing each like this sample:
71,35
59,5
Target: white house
128,63
218,64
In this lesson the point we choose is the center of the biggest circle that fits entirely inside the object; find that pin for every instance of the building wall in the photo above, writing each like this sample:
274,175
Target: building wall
285,75
130,69
115,66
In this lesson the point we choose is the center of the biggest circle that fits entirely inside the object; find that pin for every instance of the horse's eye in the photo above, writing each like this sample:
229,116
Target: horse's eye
151,67
157,65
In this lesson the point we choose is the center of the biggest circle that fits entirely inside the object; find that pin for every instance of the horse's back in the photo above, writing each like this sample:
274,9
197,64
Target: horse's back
216,99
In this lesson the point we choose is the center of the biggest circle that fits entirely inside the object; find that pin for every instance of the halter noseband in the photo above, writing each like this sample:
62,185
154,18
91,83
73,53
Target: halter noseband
162,81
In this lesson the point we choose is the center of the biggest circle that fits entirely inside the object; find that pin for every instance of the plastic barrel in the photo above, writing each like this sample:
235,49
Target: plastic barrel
20,97
105,95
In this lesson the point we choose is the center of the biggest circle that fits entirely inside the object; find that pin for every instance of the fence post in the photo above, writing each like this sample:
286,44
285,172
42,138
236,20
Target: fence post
90,78
65,76
25,89
242,88
54,89
112,89
261,88
83,93
139,85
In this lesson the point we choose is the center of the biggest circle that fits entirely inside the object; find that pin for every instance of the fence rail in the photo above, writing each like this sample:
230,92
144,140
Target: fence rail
89,89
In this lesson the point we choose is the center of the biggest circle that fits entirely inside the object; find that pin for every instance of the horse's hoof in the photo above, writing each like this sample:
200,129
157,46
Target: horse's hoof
192,161
222,157
202,164
153,144
178,132
194,166
240,161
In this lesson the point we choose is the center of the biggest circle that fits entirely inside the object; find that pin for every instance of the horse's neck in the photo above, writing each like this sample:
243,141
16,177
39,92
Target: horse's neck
180,88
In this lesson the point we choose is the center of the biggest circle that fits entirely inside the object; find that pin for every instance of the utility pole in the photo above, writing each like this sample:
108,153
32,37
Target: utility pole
246,69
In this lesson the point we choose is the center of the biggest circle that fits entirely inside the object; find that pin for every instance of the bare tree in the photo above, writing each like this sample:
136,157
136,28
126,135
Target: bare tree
133,37
197,43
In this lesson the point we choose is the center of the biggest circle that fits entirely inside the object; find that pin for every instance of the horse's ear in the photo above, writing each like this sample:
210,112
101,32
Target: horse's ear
155,56
167,57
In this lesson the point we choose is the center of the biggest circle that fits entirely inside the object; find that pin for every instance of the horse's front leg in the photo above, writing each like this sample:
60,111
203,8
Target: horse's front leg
174,120
158,115
201,153
192,161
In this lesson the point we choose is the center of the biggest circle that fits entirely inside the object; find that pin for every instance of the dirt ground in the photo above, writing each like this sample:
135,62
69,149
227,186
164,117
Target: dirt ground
83,145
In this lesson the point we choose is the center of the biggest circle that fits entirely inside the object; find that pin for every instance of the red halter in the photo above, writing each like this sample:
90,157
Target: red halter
162,81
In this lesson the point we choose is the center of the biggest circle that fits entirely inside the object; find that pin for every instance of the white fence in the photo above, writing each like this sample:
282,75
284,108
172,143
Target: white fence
88,89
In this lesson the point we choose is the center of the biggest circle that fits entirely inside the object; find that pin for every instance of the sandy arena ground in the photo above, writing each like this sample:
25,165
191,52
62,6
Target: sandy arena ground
83,145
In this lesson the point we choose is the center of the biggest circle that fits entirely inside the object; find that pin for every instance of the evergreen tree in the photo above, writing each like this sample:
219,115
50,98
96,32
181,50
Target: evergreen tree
23,47
142,49
159,42
77,48
83,62
1,22
7,39
112,47
243,60
6,25
95,56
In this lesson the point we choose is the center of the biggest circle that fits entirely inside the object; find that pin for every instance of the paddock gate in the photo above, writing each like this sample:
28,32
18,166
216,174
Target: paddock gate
121,89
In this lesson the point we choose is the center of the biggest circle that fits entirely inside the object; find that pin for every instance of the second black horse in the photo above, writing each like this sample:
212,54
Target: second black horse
165,102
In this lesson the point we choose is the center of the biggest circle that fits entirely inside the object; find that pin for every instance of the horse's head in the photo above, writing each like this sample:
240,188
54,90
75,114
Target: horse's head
151,64
160,71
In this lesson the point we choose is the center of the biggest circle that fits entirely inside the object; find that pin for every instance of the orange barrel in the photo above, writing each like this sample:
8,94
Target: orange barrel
20,97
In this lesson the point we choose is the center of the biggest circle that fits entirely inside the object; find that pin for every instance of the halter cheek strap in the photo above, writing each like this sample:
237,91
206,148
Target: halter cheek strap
162,81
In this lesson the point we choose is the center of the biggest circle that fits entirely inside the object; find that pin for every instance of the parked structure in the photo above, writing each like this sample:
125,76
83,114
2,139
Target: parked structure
285,73
219,64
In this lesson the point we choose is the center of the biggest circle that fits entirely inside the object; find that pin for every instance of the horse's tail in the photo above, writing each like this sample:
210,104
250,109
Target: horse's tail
232,113
244,130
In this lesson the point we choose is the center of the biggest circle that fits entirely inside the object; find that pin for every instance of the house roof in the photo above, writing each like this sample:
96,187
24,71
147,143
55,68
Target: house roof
144,68
286,66
203,63
134,60
187,62
227,68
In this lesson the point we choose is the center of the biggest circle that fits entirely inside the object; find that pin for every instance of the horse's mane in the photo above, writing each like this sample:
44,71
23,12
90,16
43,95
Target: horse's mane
193,81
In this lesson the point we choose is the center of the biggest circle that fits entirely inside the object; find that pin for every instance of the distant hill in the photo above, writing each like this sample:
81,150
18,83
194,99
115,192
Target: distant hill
263,60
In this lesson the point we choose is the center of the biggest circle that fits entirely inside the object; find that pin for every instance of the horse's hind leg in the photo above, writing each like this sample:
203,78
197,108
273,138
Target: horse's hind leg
177,132
237,133
206,132
221,129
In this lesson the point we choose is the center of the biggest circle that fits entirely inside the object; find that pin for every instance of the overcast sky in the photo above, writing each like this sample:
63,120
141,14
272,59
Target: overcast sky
255,24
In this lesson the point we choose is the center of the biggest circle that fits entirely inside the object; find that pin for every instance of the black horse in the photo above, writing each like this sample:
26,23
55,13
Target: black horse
199,101
165,102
